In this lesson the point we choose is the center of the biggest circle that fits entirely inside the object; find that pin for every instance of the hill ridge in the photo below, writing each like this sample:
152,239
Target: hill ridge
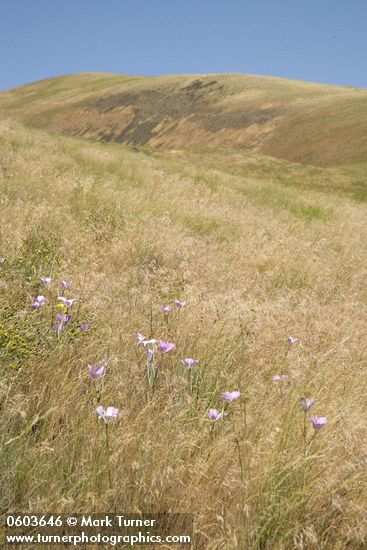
311,123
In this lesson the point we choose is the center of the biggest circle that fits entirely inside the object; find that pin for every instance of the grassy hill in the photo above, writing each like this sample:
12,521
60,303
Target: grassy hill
260,249
245,197
303,122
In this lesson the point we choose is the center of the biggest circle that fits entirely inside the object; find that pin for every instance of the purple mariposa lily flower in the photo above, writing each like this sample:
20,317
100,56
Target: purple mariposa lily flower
108,414
180,303
63,320
291,341
63,317
84,327
96,372
307,404
46,280
66,301
230,396
279,377
66,284
189,362
38,302
147,343
166,309
139,337
143,341
318,422
164,347
215,415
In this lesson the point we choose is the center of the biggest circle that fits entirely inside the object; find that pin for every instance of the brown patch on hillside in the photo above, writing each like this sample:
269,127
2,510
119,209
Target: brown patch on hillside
187,133
91,124
191,116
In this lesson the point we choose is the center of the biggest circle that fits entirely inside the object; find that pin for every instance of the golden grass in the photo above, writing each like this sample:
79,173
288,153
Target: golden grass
257,261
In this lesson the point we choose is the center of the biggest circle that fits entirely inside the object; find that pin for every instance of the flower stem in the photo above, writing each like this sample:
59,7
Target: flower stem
304,435
108,456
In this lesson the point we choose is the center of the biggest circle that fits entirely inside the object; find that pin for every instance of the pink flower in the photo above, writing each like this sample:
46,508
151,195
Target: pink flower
189,362
291,341
84,327
38,302
96,372
179,304
139,337
166,309
214,415
110,412
230,396
63,318
143,341
279,377
318,422
65,284
46,280
147,343
67,302
307,404
164,347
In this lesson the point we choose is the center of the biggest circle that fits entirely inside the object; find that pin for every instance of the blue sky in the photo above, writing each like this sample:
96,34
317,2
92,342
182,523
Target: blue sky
314,40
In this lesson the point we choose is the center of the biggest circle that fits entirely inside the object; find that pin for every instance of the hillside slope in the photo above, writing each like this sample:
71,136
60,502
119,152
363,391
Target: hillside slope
258,253
303,122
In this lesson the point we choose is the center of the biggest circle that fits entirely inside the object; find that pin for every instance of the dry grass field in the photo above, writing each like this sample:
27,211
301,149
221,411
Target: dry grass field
260,249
